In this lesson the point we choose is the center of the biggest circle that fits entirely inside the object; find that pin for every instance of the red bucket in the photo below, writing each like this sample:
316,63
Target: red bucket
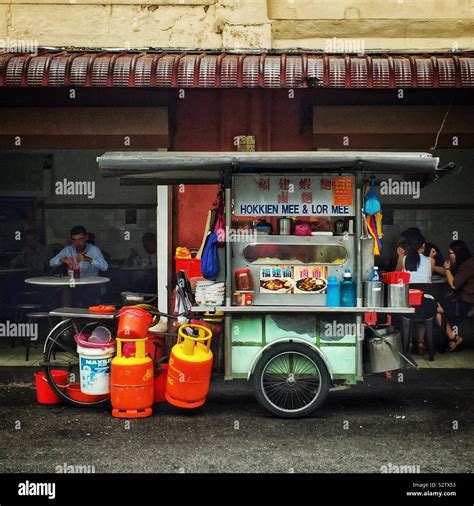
415,297
396,278
159,386
74,392
44,393
191,266
133,323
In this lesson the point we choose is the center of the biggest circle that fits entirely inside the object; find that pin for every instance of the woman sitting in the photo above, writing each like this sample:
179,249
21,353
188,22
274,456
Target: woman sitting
412,260
460,299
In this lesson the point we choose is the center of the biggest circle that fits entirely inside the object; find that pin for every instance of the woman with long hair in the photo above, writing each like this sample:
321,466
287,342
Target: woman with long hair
458,302
411,259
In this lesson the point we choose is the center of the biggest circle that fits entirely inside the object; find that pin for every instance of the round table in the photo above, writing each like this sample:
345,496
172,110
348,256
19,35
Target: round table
67,284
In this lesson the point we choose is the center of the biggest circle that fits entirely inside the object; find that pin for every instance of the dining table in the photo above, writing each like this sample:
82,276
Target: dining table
67,284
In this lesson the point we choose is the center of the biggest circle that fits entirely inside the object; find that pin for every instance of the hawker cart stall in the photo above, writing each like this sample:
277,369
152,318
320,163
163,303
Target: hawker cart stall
283,329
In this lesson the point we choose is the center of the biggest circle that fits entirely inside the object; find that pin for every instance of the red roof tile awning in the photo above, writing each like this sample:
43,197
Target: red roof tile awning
235,70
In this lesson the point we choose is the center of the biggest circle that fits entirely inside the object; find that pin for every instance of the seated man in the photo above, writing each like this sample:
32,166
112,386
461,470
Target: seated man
80,252
34,255
148,253
90,260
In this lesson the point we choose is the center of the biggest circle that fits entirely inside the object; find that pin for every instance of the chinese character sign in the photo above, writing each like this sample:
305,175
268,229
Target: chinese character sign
293,195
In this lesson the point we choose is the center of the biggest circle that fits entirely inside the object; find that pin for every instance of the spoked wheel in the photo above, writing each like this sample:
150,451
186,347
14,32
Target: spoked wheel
291,380
60,352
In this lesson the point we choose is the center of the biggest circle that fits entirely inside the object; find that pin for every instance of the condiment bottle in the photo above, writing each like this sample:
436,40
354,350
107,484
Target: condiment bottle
243,279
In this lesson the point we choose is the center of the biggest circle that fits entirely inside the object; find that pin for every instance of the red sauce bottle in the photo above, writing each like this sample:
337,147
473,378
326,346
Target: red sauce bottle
243,279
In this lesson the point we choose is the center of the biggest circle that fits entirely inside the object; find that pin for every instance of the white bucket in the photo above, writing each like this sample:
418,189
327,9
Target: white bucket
94,367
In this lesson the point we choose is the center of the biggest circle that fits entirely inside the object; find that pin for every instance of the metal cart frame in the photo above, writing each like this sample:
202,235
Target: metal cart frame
166,168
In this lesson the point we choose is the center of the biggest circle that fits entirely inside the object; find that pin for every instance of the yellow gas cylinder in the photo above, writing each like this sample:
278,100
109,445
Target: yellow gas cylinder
189,369
131,380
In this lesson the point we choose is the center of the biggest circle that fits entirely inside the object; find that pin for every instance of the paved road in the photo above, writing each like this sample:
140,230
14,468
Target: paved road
388,424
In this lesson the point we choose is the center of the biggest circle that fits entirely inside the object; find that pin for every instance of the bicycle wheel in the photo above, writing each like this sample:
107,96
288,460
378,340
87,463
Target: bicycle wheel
60,352
291,380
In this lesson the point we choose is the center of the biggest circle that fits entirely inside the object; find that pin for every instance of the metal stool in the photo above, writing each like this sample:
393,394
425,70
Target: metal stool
409,323
21,311
33,318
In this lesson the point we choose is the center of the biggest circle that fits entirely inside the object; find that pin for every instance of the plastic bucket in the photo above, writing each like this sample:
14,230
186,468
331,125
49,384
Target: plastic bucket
415,297
133,323
44,393
159,387
94,368
74,392
191,266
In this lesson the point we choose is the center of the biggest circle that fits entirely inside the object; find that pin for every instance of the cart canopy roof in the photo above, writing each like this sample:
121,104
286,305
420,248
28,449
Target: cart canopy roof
174,167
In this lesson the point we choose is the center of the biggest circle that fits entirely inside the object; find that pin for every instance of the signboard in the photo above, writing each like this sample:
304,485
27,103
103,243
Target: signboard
285,279
293,195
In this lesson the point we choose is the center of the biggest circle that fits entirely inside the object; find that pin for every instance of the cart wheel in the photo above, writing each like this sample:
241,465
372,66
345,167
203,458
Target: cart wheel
291,380
60,352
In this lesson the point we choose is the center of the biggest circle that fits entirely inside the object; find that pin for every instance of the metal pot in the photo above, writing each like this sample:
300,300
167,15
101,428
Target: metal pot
284,226
373,294
382,351
397,295
131,298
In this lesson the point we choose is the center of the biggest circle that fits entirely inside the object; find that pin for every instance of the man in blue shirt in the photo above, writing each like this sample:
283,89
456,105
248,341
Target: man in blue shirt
80,252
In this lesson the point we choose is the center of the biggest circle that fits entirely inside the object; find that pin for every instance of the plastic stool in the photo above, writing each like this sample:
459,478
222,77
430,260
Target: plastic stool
408,327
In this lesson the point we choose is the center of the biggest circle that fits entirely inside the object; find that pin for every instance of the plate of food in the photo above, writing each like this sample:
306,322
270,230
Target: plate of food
311,285
277,285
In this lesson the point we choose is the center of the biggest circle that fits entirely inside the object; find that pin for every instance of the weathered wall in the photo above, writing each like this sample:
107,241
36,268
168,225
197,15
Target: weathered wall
332,26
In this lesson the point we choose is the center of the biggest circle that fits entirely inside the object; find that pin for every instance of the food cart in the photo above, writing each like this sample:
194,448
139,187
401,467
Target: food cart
289,342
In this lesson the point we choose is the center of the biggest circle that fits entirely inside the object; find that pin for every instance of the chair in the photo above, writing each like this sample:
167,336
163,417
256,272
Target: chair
33,318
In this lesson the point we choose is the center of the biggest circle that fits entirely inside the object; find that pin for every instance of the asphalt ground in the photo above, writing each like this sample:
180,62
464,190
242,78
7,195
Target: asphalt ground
424,422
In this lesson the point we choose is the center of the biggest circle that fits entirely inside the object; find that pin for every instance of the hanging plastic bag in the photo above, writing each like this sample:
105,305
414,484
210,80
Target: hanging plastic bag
372,203
210,266
219,227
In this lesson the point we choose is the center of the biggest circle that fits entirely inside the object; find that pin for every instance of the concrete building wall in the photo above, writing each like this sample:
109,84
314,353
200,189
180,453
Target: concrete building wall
331,26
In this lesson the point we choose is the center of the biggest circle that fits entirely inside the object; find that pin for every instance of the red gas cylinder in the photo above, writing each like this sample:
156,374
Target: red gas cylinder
155,346
189,368
131,381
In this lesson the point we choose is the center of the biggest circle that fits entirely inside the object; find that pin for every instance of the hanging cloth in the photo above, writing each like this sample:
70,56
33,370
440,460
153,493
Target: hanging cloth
374,226
219,226
372,203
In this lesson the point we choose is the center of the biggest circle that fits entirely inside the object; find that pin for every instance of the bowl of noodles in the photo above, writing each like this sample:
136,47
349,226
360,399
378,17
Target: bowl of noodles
311,285
277,285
